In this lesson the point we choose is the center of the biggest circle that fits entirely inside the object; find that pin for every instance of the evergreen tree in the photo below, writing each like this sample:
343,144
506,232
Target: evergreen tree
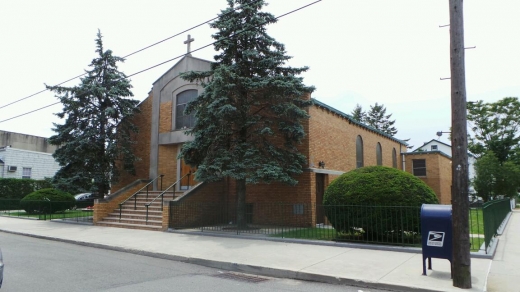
97,128
358,114
249,115
377,118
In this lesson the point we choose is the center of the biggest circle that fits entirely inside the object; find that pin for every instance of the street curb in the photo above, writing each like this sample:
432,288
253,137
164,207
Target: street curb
415,250
242,268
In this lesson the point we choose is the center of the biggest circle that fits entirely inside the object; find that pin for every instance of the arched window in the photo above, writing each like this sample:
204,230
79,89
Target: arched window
359,152
379,155
183,121
394,158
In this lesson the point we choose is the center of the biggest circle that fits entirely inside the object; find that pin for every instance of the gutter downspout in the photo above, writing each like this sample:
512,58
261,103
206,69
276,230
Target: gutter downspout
403,162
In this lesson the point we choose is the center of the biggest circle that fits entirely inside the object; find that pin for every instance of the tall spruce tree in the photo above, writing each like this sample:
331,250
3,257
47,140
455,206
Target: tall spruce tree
249,115
377,118
358,114
96,133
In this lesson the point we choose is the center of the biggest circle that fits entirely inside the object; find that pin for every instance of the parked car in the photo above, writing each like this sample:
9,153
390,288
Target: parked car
475,201
84,200
1,269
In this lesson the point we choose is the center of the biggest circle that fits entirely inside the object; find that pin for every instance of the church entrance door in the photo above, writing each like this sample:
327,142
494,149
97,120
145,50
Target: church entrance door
188,181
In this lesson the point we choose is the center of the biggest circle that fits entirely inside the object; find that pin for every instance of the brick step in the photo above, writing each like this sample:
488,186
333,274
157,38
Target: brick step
142,212
143,202
142,221
139,208
125,216
146,201
130,225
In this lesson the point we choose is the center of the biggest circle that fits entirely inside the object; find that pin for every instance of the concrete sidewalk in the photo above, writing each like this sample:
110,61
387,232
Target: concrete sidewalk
505,269
400,271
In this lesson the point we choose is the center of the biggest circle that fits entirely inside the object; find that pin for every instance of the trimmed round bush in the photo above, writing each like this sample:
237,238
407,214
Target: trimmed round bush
47,201
376,201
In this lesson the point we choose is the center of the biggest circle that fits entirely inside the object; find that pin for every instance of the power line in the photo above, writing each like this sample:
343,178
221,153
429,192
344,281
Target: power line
220,40
180,56
11,118
133,53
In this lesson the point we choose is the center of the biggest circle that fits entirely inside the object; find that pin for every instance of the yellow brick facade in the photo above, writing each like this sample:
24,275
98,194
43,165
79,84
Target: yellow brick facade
438,172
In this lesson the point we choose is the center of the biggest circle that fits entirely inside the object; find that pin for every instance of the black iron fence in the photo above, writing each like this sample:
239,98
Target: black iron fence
394,225
494,213
399,225
47,210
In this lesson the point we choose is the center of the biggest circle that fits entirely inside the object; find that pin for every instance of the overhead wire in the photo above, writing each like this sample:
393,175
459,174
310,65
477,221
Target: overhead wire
180,56
126,56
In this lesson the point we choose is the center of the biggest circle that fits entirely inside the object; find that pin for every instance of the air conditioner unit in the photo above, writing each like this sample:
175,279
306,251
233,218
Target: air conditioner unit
11,168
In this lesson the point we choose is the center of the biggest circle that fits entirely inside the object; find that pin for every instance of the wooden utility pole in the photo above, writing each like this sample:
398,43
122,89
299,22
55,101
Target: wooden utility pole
461,265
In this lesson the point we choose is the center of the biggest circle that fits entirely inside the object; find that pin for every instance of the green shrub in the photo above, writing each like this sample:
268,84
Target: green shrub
47,201
15,188
378,201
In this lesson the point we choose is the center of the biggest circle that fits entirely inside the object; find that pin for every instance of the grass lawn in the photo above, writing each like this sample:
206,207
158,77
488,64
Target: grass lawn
476,242
309,233
65,214
476,221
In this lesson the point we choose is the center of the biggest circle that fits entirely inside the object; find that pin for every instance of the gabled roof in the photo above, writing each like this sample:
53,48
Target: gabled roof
178,62
427,152
437,141
432,140
354,121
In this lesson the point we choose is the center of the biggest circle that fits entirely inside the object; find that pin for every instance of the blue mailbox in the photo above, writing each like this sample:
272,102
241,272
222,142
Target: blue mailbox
437,234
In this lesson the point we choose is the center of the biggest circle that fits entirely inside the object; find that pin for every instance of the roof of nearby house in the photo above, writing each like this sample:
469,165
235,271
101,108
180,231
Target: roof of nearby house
437,141
427,152
354,121
432,140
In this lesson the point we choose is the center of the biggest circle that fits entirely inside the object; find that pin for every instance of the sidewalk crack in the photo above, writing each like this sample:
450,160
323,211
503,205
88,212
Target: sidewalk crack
325,260
411,257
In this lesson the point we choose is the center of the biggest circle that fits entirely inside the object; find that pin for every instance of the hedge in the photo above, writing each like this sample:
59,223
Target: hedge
15,188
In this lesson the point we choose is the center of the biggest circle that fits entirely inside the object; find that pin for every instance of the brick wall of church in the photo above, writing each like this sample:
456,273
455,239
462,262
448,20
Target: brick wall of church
141,149
333,140
165,117
438,173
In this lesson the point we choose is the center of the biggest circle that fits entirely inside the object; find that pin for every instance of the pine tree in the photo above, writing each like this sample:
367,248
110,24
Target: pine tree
249,115
378,119
358,114
96,133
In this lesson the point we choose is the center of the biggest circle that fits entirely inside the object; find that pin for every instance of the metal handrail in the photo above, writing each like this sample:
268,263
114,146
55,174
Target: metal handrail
136,193
162,194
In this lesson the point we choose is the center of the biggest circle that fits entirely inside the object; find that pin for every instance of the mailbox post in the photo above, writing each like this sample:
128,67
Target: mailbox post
437,234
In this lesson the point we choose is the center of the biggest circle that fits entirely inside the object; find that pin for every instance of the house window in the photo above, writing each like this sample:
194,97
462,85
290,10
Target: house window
359,152
394,158
434,147
379,155
26,172
183,121
419,167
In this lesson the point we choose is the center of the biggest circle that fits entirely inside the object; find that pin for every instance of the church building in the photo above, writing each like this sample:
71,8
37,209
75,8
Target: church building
335,143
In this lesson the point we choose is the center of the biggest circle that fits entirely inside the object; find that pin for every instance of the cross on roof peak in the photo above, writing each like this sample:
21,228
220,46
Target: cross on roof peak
188,42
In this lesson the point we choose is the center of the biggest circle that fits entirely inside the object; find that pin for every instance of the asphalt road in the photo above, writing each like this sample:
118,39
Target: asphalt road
33,264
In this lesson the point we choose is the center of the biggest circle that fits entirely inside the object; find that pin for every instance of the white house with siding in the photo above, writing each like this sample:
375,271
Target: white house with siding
26,156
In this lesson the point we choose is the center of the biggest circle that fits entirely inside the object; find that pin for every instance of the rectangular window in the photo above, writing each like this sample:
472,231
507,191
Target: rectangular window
26,173
298,209
419,167
434,147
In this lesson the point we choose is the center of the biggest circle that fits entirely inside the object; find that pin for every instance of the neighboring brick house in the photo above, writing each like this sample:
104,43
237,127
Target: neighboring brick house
431,162
26,156
335,143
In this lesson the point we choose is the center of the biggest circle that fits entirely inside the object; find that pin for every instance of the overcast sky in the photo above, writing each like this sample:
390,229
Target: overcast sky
358,51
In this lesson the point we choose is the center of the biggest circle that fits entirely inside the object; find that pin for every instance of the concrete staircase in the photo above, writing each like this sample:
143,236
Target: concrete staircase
133,212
